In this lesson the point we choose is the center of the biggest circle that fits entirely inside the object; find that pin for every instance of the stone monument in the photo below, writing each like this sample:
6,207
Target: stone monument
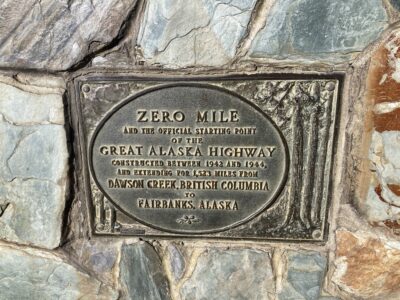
199,149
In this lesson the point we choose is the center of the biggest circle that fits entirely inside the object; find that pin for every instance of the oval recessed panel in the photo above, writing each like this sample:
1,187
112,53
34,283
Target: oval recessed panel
189,158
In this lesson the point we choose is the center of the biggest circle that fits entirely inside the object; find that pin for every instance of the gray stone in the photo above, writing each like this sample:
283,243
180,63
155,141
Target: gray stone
396,4
99,255
377,210
305,271
56,35
16,107
319,30
385,162
183,33
231,274
33,163
29,274
391,144
141,273
177,261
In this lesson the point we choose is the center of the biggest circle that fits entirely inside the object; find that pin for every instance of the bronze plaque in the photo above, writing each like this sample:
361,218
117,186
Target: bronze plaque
235,157
189,158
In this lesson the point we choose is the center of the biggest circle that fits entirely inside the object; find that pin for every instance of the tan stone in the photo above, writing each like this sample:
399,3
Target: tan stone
367,266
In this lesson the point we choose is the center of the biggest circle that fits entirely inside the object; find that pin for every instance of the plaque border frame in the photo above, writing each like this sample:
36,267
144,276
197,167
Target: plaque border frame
81,166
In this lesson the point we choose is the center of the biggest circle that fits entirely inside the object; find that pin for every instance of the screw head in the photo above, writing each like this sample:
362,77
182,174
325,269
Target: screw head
317,234
86,88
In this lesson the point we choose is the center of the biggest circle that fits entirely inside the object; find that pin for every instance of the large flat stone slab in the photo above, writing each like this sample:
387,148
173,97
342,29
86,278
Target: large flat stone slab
303,276
231,274
33,162
319,30
183,33
33,274
141,273
55,35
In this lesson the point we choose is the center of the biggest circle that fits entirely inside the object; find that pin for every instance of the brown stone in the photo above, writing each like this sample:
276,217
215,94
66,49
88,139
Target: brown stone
395,188
388,121
383,84
395,225
380,89
367,266
378,191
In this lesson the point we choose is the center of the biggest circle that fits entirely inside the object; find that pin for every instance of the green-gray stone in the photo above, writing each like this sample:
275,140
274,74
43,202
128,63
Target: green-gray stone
33,161
304,276
141,273
31,274
184,33
177,262
396,4
319,30
230,274
55,35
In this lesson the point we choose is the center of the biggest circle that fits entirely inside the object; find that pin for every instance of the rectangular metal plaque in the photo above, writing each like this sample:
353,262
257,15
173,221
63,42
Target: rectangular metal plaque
239,157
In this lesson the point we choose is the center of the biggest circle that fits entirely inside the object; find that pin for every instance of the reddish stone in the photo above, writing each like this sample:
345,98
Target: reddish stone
378,191
366,266
395,225
388,121
382,87
382,114
380,90
394,188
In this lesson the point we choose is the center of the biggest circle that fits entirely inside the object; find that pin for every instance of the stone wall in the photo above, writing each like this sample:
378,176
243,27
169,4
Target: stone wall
47,250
